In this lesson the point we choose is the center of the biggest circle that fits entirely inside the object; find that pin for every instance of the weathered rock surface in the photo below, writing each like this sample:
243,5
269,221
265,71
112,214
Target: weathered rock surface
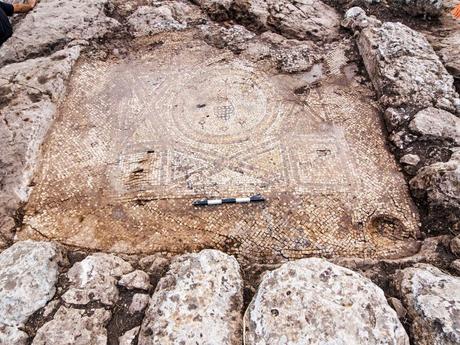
74,326
419,7
410,159
302,19
28,275
252,14
356,19
135,280
395,118
450,52
128,337
95,278
433,302
397,305
289,55
235,37
455,266
402,65
156,264
436,123
439,186
29,92
12,336
216,9
37,35
312,301
455,246
198,301
139,303
410,163
149,20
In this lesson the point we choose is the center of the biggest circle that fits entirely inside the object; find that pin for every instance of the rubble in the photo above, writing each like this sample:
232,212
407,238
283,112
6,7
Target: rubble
303,20
135,280
139,302
149,20
95,278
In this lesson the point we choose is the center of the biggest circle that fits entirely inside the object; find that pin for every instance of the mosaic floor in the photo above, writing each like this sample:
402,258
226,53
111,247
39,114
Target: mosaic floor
138,140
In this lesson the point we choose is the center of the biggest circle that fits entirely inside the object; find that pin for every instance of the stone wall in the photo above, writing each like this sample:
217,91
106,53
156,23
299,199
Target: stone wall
421,109
49,293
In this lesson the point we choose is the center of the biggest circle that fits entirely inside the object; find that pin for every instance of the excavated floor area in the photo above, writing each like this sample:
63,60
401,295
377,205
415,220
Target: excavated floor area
139,139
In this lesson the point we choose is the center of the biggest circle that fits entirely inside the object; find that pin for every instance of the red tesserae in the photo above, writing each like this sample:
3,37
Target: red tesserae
456,11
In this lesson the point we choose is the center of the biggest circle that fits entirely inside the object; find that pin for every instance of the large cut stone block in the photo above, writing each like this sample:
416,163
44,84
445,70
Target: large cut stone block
29,93
401,64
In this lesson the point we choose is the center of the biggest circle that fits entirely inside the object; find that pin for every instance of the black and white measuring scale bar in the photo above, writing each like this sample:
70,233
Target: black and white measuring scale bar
206,202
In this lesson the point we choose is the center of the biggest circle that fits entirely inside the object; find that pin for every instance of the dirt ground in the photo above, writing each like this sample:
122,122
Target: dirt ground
140,137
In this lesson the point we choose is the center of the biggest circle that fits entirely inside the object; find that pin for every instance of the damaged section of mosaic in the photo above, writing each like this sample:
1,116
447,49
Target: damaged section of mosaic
137,141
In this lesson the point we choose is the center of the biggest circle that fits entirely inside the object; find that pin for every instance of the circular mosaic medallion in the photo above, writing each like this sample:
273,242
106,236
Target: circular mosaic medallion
221,105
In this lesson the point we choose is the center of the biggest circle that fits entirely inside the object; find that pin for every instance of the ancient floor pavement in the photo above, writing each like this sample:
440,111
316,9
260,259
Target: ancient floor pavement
138,139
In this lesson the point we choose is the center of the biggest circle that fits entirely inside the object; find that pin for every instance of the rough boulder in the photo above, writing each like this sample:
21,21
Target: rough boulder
170,16
74,326
312,301
300,19
28,274
432,300
95,279
37,34
438,185
436,123
198,301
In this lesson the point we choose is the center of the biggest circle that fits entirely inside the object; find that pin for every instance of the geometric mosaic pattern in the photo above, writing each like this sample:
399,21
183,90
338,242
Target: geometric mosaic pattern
138,140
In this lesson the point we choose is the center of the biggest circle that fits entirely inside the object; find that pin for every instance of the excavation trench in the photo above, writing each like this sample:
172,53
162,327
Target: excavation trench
138,139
